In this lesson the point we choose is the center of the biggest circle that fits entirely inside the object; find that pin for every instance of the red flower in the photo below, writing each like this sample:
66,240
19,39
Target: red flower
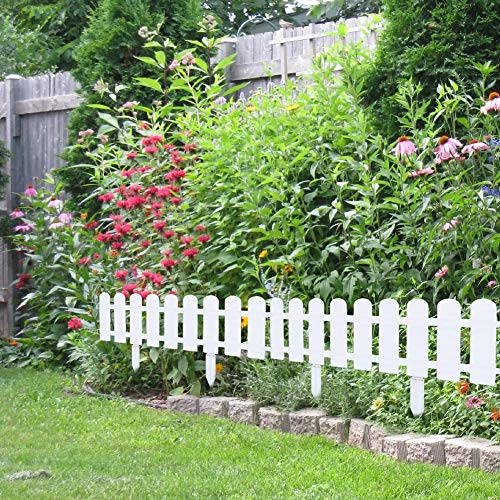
145,243
128,173
96,256
159,225
75,323
200,228
84,261
90,225
463,387
186,240
106,197
203,238
168,234
173,175
190,252
131,155
167,263
151,150
121,275
117,245
124,228
189,147
176,201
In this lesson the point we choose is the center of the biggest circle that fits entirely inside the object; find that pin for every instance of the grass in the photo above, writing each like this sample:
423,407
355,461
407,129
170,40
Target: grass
101,448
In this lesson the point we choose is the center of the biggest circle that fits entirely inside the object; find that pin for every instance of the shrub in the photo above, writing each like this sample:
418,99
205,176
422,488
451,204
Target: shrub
431,42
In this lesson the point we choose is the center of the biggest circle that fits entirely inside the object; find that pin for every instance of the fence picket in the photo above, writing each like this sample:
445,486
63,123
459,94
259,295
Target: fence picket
104,317
389,336
277,327
256,328
210,335
448,340
417,338
232,327
296,330
171,322
338,332
153,320
363,334
136,319
483,347
316,334
190,323
120,325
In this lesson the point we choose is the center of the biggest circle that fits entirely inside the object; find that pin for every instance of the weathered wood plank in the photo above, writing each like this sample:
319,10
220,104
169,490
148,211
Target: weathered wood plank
48,104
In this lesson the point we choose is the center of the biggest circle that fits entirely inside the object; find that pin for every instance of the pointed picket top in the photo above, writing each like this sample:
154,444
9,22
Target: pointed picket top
105,317
153,320
256,328
338,332
389,336
120,324
190,323
483,349
448,340
232,326
363,336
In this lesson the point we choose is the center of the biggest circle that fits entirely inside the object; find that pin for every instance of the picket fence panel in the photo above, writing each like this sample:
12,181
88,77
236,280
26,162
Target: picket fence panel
326,340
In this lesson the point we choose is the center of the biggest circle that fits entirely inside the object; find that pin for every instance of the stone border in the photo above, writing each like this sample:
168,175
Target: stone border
432,449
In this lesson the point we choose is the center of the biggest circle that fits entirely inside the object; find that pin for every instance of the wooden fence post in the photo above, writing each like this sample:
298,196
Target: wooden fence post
7,260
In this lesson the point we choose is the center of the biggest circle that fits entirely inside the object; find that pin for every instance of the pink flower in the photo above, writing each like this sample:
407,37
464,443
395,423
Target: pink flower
186,239
491,283
84,133
17,213
75,323
30,191
151,150
450,225
84,261
56,225
204,238
404,147
96,256
129,104
442,272
447,149
188,59
131,155
200,228
474,145
473,402
423,171
106,197
121,275
24,228
168,234
168,263
65,217
174,64
492,104
190,252
55,203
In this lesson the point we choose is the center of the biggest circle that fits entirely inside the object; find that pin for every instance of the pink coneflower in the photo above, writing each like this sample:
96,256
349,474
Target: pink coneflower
16,214
65,217
474,145
404,147
56,225
450,225
422,171
491,283
30,191
447,149
24,228
55,203
492,104
442,272
474,402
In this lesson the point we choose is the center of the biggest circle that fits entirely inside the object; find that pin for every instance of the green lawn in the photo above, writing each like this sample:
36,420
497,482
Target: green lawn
98,448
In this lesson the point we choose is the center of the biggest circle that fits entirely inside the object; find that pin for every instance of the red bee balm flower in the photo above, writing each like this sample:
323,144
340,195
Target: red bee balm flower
190,252
75,323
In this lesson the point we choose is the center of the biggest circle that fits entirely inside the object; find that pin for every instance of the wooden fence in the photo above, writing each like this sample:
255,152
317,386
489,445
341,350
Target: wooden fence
33,125
332,336
34,111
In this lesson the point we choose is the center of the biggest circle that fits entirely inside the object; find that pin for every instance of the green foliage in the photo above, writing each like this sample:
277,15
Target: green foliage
24,52
431,42
107,55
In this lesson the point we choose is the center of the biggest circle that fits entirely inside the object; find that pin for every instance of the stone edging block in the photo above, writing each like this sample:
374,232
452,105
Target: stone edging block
272,418
395,445
336,428
490,458
465,452
306,421
359,433
243,411
216,406
185,403
427,449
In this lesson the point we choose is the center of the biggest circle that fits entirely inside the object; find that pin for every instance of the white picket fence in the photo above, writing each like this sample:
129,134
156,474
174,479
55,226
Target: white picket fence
328,337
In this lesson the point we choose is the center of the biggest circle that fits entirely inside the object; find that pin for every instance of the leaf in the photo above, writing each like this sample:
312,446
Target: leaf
177,391
196,388
150,83
153,354
160,57
183,365
111,120
99,106
148,60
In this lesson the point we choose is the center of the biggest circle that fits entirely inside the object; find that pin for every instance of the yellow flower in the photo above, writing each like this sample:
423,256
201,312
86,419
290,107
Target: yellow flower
292,107
263,254
250,108
288,269
377,404
244,321
83,216
219,367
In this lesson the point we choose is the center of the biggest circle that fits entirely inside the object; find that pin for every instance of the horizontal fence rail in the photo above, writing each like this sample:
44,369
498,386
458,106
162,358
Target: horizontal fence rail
331,337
